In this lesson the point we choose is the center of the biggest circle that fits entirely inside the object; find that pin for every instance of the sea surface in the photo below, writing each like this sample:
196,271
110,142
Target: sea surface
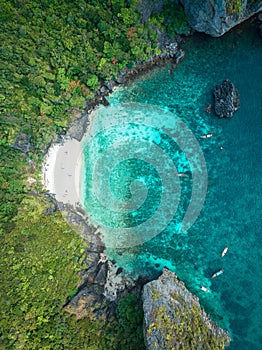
134,153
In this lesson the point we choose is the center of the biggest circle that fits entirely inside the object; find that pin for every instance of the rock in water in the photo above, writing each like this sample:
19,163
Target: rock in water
226,99
173,318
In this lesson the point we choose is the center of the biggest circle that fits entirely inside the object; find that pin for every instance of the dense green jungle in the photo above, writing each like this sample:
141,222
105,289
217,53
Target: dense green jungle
54,55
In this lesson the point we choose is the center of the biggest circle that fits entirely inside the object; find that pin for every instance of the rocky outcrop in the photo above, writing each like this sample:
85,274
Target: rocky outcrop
173,318
102,282
216,17
226,98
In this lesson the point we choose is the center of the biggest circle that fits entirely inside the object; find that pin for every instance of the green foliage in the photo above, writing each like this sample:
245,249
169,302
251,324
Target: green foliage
72,293
172,18
93,82
234,5
155,294
125,331
185,327
130,320
38,267
38,264
76,101
49,47
13,168
178,22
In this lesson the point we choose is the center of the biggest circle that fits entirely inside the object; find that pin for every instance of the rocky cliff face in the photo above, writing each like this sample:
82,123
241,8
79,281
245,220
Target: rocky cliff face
173,318
215,17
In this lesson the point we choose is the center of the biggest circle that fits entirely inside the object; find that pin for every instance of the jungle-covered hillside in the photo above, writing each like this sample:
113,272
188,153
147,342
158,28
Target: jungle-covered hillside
54,55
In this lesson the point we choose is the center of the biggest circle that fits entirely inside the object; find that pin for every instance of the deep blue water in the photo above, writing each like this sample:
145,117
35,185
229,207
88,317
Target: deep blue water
134,179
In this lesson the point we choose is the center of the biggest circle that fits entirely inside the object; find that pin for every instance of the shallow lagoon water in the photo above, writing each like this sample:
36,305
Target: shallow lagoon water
231,213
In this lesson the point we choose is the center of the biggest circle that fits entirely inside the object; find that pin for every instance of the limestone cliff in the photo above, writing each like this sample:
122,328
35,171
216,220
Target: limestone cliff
215,17
173,318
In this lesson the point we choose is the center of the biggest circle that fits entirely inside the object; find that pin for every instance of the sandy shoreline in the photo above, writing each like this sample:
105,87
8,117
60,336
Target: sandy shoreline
62,171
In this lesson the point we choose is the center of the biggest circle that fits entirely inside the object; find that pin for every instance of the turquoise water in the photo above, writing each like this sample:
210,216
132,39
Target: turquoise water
134,186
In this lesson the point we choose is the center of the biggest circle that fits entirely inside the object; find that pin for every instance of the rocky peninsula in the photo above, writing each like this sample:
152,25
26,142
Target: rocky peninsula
173,318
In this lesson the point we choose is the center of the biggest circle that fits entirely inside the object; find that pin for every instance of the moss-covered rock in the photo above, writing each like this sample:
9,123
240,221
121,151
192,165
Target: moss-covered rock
173,318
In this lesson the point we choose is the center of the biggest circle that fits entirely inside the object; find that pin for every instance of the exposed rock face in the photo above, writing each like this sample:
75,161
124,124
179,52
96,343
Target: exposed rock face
173,318
226,99
216,17
102,281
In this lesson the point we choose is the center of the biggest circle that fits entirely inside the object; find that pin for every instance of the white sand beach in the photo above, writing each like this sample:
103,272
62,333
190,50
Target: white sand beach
62,171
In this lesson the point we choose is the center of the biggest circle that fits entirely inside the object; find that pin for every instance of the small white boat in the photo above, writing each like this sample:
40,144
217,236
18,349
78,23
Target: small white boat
224,251
218,273
206,136
204,289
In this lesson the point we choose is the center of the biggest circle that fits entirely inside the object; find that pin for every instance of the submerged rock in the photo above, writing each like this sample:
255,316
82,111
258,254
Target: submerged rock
226,99
216,17
173,318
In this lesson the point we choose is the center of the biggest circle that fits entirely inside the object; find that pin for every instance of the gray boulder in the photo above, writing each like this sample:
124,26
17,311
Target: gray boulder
173,318
216,17
226,98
